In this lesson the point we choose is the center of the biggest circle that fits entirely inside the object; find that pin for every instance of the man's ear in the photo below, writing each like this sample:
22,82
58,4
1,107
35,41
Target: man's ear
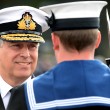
98,40
55,41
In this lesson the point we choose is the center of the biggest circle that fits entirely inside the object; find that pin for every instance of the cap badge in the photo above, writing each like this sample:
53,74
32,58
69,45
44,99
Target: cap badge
27,23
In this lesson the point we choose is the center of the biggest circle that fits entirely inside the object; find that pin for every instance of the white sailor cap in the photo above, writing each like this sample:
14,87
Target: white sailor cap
74,15
23,23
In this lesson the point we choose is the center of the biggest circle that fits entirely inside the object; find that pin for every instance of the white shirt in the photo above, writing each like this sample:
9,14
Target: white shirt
4,91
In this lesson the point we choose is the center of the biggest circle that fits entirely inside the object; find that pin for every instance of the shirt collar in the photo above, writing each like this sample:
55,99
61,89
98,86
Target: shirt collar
27,79
4,87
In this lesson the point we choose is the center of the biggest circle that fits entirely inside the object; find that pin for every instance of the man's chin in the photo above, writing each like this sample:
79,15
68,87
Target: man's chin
23,74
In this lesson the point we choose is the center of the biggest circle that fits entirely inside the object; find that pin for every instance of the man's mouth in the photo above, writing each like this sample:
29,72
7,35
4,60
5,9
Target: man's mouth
23,63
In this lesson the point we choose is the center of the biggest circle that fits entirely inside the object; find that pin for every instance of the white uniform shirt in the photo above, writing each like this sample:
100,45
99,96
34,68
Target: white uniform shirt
4,91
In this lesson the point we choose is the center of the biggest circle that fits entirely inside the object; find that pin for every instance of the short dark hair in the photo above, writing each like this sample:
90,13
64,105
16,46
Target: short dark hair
77,39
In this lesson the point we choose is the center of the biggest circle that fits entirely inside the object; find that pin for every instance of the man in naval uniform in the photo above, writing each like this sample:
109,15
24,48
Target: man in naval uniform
21,29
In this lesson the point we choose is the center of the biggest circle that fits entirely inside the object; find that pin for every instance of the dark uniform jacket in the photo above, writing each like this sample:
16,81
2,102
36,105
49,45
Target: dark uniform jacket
17,101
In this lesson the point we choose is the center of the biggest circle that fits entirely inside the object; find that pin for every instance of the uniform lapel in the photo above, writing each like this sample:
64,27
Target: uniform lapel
1,104
17,100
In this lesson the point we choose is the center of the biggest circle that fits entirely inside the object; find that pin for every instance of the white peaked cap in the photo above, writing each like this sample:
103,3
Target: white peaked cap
74,15
23,23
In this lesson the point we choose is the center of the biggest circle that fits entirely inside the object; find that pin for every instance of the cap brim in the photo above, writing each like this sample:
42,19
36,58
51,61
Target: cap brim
23,37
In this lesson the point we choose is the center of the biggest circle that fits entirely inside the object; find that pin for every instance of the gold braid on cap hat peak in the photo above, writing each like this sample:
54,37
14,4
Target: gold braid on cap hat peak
23,37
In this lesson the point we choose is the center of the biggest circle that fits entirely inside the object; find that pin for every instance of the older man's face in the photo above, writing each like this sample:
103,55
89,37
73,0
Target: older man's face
18,60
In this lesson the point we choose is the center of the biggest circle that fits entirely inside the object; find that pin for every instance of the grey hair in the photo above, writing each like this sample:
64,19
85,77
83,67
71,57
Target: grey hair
1,42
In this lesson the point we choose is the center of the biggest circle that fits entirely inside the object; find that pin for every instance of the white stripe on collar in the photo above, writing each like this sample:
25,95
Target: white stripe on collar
62,103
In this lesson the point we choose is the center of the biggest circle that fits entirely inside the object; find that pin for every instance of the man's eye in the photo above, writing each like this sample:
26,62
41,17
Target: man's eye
15,45
33,46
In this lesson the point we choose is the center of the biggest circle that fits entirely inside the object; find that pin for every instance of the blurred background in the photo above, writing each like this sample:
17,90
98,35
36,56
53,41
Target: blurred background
46,55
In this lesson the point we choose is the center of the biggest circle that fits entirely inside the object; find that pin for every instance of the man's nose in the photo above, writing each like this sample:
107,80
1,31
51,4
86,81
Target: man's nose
25,52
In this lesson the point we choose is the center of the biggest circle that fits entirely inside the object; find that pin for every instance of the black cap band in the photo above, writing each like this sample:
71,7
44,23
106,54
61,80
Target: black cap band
75,23
11,27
